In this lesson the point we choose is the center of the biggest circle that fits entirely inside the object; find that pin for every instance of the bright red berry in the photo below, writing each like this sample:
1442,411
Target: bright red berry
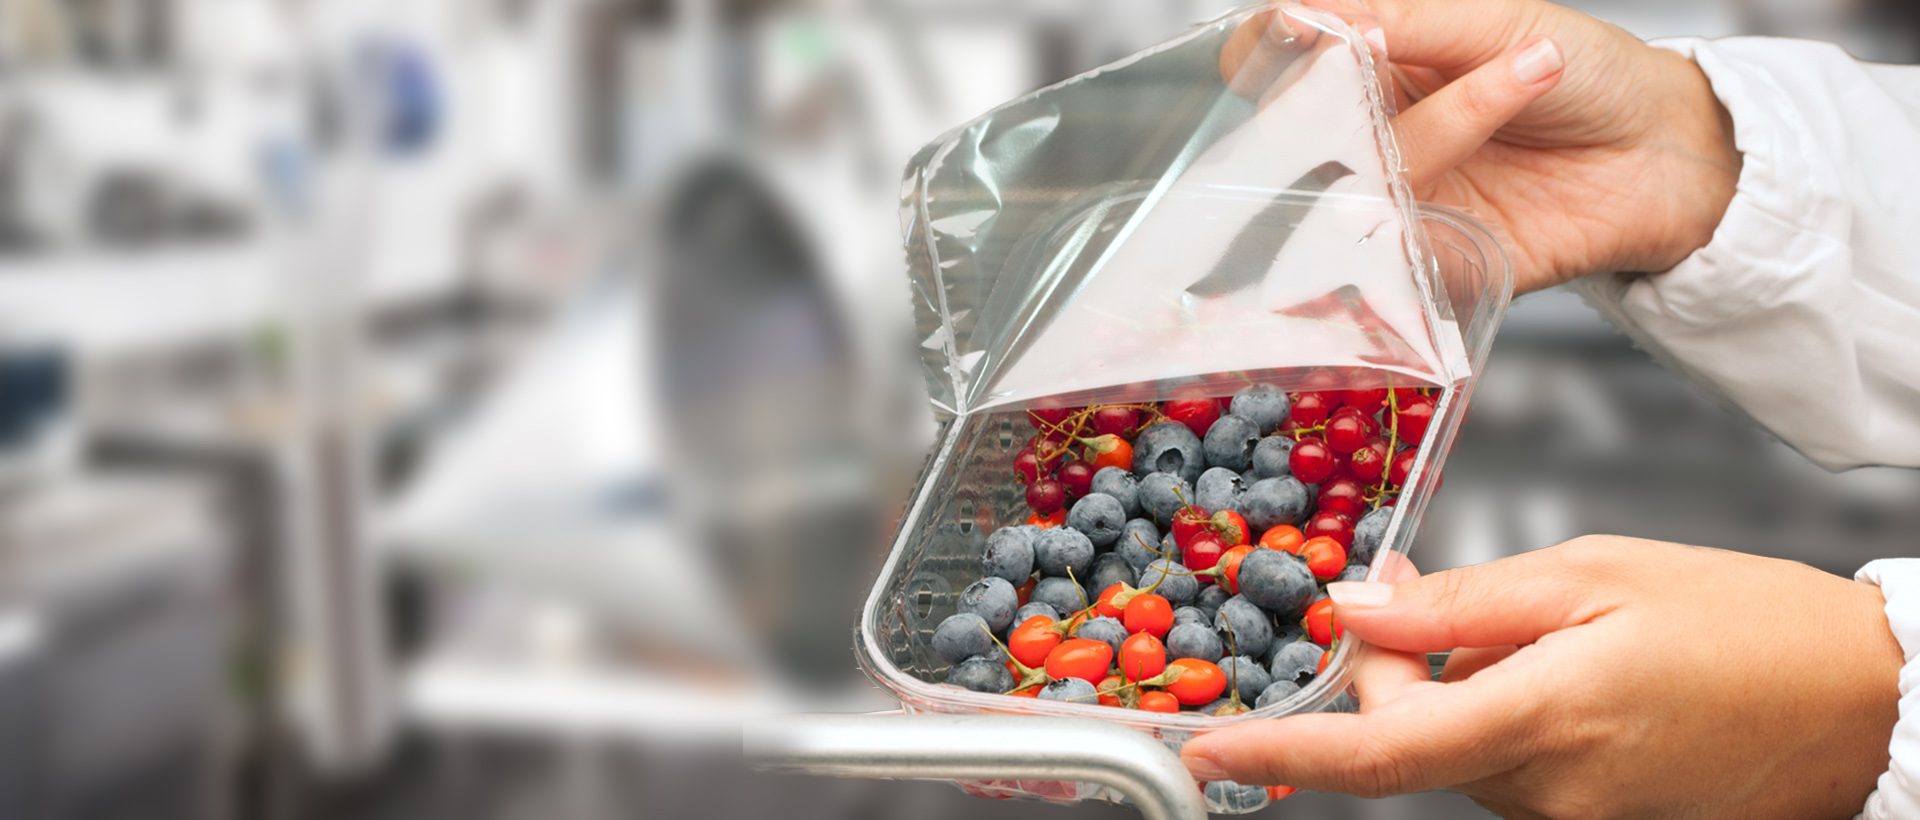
1308,409
1047,496
1370,462
1343,495
1048,521
1414,418
1082,658
1197,414
1199,682
1283,537
1347,431
1230,527
1109,451
1189,522
1402,468
1229,567
1311,461
1159,702
1115,421
1202,553
1329,524
1367,400
1046,419
1026,466
1077,477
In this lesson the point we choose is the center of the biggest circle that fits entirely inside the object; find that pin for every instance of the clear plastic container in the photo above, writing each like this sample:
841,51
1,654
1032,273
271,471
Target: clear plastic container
1226,208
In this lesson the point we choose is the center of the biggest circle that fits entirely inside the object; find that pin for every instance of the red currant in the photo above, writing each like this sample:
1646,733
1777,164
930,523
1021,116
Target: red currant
1414,418
1367,400
1311,461
1343,495
1189,522
1402,468
1202,553
1308,409
1026,466
1198,414
1115,421
1047,496
1346,431
1045,419
1370,462
1330,524
1077,476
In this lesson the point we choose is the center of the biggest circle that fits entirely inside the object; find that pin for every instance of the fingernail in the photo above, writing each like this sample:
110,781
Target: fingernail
1205,770
1360,594
1538,62
1376,37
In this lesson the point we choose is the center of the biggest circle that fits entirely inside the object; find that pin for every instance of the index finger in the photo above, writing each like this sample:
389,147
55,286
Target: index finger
1435,735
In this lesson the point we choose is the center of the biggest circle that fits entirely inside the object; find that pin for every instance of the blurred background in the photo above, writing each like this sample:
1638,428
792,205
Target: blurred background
481,408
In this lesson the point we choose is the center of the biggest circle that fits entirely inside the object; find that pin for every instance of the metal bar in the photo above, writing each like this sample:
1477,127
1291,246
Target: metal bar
970,747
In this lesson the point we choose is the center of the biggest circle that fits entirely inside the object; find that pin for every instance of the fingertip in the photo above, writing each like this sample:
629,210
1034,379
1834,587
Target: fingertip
1538,62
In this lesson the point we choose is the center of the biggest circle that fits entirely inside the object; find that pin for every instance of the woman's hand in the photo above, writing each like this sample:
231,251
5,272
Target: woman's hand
1588,149
1604,677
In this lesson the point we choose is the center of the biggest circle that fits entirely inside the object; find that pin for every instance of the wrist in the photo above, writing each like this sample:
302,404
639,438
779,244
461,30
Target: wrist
1694,133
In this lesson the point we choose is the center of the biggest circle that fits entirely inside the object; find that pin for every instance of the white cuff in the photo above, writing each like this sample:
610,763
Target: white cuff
1897,795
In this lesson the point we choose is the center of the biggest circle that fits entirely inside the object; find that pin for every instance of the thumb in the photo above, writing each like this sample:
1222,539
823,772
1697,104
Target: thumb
1514,600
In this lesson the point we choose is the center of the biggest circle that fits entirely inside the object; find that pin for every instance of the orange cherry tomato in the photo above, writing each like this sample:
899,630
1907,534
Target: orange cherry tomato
1322,668
1109,687
1110,451
1142,656
1024,592
1321,624
1029,692
1285,538
1047,522
1148,613
1324,556
1103,605
1159,702
1199,683
1229,567
1033,640
1083,658
1280,792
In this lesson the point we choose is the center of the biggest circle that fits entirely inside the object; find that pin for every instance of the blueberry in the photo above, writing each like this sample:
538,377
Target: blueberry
1263,404
1352,572
1109,569
1277,582
1180,587
1274,693
1033,608
1117,482
1194,641
1367,535
1270,457
1191,615
1009,554
1271,502
1168,447
993,599
1103,629
983,673
1060,593
1247,627
1298,662
1219,489
1099,517
1137,543
1058,550
1288,631
1070,690
1230,442
1210,599
962,636
1247,676
1161,494
1228,797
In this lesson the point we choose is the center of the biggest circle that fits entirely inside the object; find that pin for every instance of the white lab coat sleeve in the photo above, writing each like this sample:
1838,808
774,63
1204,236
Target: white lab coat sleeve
1898,793
1804,309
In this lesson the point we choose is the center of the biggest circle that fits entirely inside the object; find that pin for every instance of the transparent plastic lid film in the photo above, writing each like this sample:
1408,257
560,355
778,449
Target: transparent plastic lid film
1230,202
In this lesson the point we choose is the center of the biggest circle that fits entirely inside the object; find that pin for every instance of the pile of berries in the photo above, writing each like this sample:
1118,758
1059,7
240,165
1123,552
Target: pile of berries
1177,553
